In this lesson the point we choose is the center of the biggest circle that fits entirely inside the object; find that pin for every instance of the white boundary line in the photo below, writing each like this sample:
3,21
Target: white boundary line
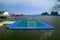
31,22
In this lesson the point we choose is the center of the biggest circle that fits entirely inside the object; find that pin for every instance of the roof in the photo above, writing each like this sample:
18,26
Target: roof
4,13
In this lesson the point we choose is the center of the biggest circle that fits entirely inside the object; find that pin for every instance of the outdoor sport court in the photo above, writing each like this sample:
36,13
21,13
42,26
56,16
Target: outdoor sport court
31,24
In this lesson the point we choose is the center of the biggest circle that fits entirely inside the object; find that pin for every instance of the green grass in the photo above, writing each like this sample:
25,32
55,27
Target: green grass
25,23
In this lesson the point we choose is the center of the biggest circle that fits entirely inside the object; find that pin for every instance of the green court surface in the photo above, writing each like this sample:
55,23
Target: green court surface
24,23
30,24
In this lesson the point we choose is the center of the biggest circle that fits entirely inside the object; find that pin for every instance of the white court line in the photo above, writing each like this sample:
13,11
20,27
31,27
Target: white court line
31,23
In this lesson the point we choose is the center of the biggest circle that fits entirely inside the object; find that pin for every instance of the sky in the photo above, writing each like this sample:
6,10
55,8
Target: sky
57,6
27,6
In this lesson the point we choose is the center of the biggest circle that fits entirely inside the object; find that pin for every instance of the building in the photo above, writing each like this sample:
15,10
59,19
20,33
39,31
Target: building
17,15
4,13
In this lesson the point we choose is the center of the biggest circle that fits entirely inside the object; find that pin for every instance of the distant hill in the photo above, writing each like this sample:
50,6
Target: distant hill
45,13
54,13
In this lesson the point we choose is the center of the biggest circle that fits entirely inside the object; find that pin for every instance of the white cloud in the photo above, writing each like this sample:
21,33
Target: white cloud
30,2
35,3
42,4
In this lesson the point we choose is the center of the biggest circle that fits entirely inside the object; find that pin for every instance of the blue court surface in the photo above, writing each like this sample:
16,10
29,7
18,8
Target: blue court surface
30,24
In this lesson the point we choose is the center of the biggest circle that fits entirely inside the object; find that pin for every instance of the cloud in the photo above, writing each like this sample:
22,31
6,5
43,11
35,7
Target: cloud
58,0
44,5
29,2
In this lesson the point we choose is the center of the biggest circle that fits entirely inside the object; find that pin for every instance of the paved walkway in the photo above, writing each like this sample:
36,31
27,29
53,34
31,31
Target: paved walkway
1,24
